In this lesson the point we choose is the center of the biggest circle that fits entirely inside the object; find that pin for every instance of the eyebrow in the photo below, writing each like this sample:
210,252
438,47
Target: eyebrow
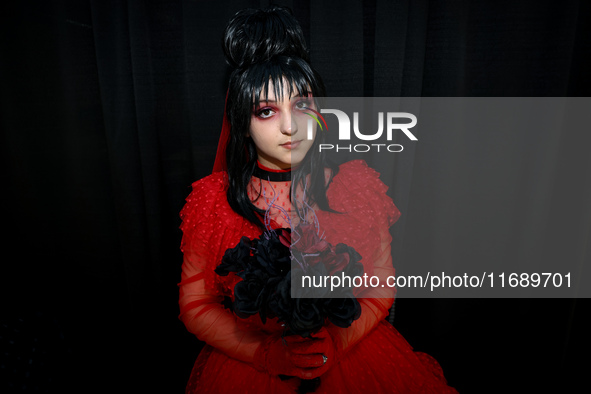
274,101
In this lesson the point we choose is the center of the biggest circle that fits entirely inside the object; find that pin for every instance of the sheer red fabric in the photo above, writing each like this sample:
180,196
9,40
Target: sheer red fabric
370,355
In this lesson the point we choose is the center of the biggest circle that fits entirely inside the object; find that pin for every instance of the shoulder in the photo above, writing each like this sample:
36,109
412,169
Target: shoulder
208,203
214,183
207,218
208,195
358,187
208,189
357,174
357,167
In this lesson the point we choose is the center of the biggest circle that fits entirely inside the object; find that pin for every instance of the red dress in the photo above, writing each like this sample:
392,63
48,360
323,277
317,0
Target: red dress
373,356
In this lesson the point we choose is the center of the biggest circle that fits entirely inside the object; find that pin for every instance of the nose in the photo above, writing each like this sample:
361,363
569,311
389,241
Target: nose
288,125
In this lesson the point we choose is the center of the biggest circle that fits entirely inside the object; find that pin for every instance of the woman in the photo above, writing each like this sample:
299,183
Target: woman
271,92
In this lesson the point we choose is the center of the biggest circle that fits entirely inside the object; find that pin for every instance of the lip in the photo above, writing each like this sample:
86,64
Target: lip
291,144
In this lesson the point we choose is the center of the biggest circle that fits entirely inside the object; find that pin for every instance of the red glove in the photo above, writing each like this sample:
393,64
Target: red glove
321,345
305,358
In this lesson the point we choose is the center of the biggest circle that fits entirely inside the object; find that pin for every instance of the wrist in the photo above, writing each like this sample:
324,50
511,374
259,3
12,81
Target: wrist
336,333
260,356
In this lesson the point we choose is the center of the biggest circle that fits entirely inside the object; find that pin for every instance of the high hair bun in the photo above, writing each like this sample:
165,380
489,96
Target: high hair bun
257,35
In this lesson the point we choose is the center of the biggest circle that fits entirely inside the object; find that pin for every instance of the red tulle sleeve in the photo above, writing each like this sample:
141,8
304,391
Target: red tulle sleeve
209,228
366,214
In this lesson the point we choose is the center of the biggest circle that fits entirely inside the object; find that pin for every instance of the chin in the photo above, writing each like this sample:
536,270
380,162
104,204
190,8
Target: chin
296,159
296,162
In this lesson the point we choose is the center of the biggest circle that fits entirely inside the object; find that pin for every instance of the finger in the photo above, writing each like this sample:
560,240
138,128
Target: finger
323,333
310,373
307,360
295,339
304,373
315,346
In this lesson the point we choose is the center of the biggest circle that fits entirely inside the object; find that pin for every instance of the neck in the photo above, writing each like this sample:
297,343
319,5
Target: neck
265,168
270,174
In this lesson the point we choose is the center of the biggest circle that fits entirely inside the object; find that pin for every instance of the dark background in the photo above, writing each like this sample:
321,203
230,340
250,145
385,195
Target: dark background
110,109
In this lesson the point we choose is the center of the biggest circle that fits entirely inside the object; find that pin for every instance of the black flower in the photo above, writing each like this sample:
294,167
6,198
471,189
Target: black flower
235,259
264,264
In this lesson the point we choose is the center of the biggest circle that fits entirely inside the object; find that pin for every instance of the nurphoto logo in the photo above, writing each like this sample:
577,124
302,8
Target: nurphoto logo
392,124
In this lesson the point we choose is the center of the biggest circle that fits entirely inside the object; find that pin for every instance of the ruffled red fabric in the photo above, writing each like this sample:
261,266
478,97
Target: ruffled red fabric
365,212
210,227
383,363
370,355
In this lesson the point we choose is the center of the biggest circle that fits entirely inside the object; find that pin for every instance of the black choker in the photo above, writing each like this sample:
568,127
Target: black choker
272,176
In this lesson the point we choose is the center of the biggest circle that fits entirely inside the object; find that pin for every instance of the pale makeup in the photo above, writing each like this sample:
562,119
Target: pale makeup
278,129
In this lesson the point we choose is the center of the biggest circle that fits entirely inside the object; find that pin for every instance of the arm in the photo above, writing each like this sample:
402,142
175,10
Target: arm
332,341
207,222
359,191
374,306
203,315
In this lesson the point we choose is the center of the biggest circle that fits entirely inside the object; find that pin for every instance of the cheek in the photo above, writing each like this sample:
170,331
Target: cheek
254,132
302,127
263,129
262,141
301,121
309,145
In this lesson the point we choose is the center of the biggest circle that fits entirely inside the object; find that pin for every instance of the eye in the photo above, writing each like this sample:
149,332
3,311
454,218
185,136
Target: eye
303,104
265,113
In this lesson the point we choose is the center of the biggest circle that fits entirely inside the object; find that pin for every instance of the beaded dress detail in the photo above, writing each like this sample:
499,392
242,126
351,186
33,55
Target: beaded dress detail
372,355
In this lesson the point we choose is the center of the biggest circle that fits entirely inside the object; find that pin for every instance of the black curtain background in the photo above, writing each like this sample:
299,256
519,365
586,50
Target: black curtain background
110,109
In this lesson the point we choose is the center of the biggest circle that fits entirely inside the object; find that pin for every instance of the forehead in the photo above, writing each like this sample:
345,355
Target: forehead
278,91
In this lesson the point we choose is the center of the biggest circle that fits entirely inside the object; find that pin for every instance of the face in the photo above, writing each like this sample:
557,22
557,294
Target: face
278,128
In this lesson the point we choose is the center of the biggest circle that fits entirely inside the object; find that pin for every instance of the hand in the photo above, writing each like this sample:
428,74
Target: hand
321,347
296,356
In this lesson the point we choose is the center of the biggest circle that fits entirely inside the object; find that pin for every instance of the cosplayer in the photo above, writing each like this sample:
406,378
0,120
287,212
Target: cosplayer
269,176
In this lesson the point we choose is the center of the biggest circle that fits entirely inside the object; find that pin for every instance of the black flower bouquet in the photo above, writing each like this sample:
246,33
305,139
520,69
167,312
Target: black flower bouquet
268,264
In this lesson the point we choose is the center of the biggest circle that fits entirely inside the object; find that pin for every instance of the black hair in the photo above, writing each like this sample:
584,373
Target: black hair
262,65
257,35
